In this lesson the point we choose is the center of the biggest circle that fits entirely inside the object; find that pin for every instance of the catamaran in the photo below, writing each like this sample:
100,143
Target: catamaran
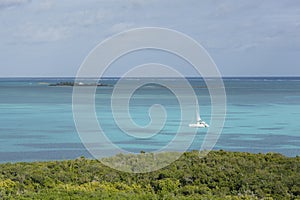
199,123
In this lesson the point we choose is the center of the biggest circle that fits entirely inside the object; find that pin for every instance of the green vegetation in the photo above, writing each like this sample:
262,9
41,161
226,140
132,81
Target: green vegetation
66,83
219,175
70,83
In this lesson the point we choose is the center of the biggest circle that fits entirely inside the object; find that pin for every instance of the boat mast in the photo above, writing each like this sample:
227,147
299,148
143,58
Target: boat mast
197,111
198,116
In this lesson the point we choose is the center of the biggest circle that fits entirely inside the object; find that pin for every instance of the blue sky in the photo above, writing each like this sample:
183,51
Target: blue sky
244,38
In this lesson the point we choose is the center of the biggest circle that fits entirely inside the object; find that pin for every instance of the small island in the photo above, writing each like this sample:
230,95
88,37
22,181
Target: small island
70,83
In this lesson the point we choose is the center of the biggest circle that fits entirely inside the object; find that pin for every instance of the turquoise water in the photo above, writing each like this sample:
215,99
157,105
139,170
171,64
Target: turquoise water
36,121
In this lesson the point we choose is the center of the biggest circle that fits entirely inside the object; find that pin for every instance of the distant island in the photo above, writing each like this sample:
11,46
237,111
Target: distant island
70,83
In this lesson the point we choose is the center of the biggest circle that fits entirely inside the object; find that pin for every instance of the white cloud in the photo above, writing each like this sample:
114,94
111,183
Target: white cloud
12,3
226,27
46,4
85,18
116,28
33,33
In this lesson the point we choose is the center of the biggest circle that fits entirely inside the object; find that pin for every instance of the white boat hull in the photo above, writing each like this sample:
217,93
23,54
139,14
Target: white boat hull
199,125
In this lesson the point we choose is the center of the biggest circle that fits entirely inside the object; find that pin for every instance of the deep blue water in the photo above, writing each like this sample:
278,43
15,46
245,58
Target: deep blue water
36,121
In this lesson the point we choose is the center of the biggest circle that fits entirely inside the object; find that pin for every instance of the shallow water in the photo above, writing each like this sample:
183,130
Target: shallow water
36,121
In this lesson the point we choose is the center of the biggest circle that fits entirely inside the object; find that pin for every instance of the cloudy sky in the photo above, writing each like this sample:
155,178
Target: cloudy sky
244,38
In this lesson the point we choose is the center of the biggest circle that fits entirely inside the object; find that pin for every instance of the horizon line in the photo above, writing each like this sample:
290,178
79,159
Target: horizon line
230,76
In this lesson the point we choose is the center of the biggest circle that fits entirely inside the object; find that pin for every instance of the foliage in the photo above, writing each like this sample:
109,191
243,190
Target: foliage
219,175
70,83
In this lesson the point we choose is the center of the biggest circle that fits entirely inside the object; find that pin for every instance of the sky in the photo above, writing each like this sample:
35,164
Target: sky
244,38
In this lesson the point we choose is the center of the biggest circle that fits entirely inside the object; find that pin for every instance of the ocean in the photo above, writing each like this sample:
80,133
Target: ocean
36,120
